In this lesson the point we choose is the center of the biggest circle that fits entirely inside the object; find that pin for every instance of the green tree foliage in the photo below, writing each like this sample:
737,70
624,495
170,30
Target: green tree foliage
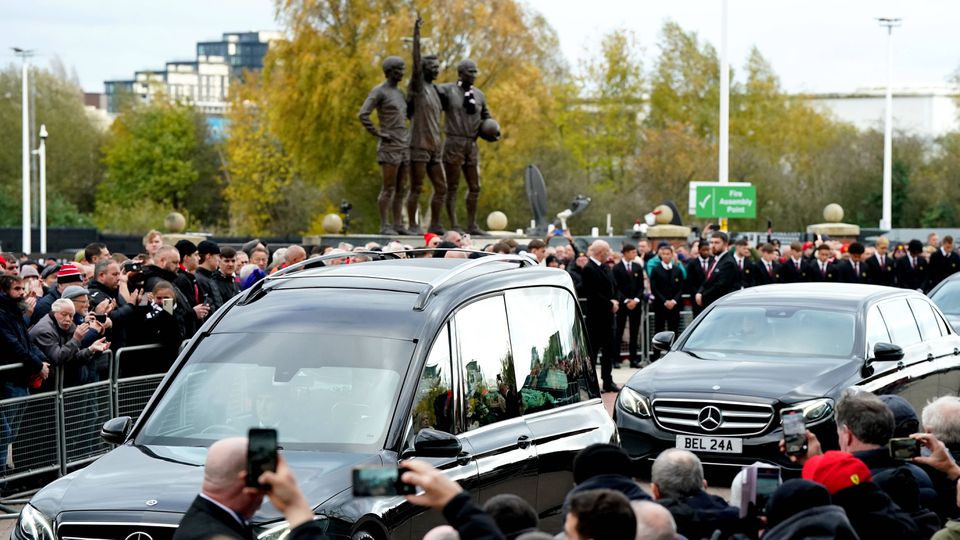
159,153
73,160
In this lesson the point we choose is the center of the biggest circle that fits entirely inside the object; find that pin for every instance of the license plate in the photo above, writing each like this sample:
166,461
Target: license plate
723,445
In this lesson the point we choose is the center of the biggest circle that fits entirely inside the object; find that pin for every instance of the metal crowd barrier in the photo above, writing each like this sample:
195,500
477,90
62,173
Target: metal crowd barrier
55,431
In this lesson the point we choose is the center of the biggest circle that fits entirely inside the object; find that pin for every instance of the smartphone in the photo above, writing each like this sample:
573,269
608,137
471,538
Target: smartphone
261,454
380,482
768,480
794,431
168,305
132,266
904,448
101,318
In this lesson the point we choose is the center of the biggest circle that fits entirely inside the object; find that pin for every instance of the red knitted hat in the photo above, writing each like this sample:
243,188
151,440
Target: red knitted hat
836,471
69,273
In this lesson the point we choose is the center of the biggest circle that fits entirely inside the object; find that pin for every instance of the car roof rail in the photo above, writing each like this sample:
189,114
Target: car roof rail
439,283
313,262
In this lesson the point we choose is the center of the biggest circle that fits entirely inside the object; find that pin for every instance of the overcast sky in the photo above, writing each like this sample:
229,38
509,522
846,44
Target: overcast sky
814,45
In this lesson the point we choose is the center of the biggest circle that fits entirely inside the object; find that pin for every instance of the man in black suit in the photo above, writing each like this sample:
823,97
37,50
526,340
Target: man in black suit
912,269
880,267
818,269
741,255
766,270
944,262
723,277
853,270
628,276
225,503
791,270
602,304
666,284
697,268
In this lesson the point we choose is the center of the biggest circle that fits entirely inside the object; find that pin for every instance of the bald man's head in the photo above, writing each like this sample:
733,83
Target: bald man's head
224,477
295,254
599,250
654,522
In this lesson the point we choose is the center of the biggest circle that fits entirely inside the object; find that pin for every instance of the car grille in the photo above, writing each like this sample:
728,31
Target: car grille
735,418
119,531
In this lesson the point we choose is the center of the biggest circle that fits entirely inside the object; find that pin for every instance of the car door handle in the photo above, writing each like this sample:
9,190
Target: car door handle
523,441
464,459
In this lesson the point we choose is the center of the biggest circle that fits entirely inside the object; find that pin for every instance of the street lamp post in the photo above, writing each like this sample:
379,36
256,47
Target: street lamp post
886,220
723,173
42,153
26,240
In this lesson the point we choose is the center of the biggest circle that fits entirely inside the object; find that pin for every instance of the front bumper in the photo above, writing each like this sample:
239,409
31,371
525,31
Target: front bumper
643,440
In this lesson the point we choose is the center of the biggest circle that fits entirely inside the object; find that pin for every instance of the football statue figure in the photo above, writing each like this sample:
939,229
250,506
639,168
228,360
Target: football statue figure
467,117
424,108
393,146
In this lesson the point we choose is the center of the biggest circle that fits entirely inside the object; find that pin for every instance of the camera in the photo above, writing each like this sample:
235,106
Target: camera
132,266
904,448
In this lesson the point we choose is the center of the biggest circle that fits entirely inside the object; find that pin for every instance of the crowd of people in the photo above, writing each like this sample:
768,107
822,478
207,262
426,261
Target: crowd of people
669,276
859,491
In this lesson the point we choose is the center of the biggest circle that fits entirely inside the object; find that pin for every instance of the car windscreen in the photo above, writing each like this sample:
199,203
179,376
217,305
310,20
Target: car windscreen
947,298
326,392
774,332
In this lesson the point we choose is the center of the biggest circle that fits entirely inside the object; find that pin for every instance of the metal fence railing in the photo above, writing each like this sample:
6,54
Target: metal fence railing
57,428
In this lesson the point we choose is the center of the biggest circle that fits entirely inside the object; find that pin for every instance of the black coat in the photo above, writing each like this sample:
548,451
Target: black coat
873,514
747,272
205,520
724,278
696,275
761,276
666,285
811,272
942,266
881,275
789,273
629,283
228,287
16,346
598,288
819,522
122,316
209,292
187,283
845,272
698,516
912,277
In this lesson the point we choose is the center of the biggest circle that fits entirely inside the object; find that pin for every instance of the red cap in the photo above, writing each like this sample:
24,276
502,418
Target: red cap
3,263
69,273
807,245
836,471
428,237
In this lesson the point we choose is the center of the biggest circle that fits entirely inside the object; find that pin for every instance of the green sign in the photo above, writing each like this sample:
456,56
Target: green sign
720,201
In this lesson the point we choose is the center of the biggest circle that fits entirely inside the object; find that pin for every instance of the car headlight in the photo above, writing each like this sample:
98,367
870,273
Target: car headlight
816,410
634,403
35,525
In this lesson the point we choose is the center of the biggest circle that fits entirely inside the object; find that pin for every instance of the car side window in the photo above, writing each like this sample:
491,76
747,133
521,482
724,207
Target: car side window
433,404
876,331
543,331
900,323
944,327
487,364
925,319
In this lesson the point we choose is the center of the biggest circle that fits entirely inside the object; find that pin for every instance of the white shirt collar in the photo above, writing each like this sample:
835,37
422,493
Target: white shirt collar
235,515
598,263
666,266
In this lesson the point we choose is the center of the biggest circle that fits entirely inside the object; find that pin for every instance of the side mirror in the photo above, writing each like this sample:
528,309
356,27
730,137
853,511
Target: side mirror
434,443
886,352
115,430
663,340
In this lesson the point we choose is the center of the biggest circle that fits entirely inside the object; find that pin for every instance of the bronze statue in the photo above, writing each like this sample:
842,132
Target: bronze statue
393,146
466,109
424,109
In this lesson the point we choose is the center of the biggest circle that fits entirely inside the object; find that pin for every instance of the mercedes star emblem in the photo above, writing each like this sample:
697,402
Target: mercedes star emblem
139,535
709,419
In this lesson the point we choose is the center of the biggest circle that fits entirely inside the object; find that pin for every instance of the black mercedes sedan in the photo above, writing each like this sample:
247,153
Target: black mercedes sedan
479,367
720,389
